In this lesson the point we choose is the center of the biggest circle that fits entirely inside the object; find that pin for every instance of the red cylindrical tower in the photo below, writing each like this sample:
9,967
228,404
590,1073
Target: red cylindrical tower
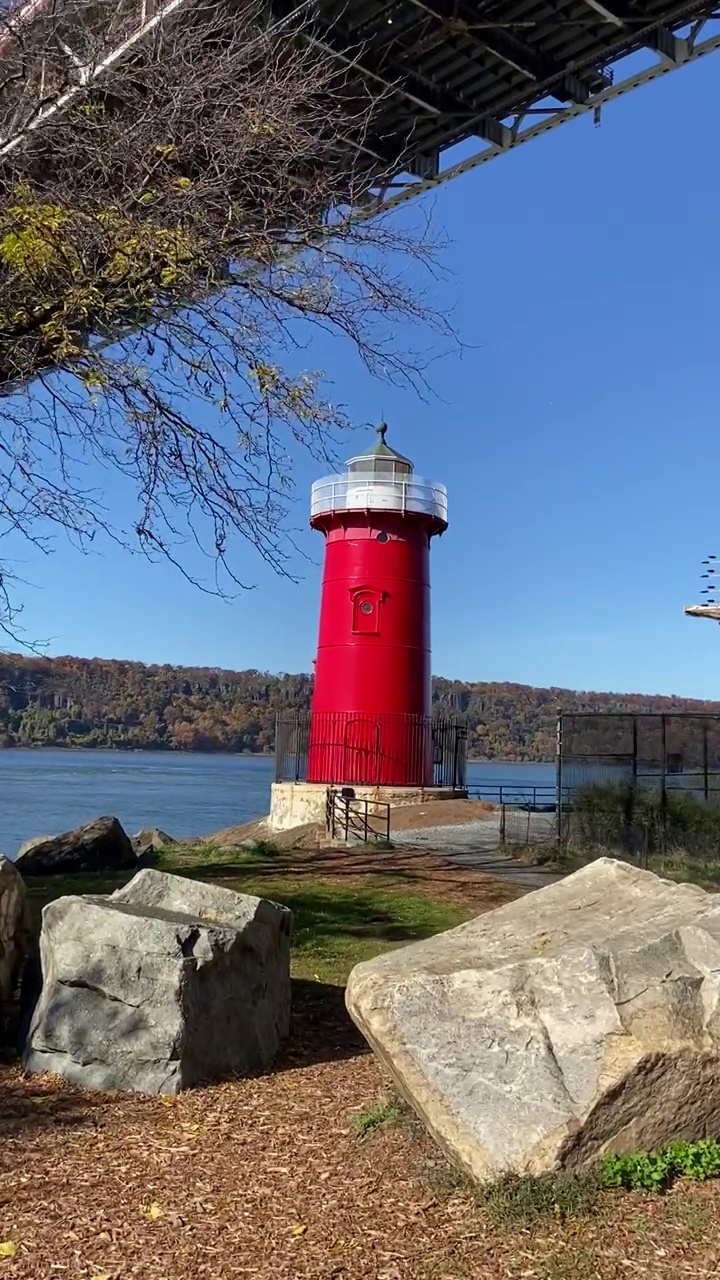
370,720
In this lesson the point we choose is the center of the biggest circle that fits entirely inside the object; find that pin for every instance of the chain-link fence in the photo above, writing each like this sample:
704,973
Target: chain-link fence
644,787
640,786
678,751
525,827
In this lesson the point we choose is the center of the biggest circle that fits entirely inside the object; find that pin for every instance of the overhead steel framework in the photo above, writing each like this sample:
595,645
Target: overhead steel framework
498,73
489,74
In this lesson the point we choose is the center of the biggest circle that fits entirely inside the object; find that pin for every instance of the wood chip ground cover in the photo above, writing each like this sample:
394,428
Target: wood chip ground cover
266,1177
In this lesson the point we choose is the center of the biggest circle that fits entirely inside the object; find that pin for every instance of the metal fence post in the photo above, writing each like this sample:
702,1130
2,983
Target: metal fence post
558,777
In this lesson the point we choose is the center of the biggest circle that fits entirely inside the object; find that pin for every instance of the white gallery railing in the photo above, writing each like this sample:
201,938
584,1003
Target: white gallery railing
349,493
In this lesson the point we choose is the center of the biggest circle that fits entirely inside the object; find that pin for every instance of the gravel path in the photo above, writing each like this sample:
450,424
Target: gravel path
476,844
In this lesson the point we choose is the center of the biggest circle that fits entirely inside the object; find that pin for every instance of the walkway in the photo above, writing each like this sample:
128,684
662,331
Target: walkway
477,845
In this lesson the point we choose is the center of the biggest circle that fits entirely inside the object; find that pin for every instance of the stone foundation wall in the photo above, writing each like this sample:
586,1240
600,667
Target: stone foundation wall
295,804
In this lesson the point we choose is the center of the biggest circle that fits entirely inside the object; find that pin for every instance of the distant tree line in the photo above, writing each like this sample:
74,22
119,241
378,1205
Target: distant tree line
77,702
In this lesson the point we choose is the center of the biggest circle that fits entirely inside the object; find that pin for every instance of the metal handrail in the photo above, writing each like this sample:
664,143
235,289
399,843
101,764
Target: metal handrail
519,795
376,493
350,816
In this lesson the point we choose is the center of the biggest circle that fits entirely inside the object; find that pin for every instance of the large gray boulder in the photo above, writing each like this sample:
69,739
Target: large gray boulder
580,1019
14,926
165,984
101,845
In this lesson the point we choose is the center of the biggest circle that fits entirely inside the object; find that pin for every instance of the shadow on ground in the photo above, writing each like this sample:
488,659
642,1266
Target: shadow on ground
321,1029
422,869
28,1104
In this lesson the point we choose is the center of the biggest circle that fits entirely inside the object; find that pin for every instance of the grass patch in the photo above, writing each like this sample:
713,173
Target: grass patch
560,1196
194,859
262,849
386,1112
335,925
526,1201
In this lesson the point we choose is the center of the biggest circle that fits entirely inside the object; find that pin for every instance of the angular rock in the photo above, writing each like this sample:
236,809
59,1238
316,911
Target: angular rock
14,926
101,845
149,840
166,984
580,1019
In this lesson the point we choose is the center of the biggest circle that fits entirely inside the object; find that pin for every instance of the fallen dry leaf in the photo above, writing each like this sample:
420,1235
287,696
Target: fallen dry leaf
8,1248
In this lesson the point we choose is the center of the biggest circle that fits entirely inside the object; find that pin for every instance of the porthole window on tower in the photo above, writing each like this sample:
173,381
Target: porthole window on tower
383,537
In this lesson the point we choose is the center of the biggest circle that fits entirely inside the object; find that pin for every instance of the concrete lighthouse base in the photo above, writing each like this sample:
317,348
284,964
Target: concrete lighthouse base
295,804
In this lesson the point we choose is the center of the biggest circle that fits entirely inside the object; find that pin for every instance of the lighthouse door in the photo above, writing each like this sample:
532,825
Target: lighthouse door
361,749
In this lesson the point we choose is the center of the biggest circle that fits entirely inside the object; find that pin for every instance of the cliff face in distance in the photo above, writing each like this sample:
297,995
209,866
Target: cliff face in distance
79,702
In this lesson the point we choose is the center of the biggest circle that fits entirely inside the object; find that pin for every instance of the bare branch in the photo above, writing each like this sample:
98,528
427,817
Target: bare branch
179,186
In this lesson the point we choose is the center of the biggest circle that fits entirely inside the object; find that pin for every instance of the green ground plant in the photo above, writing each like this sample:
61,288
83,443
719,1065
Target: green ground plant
656,1171
384,1112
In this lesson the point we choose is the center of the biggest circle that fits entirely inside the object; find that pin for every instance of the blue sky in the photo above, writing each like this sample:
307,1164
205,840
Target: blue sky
578,433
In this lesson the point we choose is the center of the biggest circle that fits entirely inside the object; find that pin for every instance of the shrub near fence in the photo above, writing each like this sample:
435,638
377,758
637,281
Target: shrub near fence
667,829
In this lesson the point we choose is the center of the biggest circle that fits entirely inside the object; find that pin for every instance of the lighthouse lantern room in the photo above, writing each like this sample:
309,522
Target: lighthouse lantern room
370,723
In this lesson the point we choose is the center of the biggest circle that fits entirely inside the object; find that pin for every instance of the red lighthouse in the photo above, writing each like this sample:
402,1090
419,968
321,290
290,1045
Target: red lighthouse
370,721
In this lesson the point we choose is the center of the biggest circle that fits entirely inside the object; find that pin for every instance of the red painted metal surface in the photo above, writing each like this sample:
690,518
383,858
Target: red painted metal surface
372,673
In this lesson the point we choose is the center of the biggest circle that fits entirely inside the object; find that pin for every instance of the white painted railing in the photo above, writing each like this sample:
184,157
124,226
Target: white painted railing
351,493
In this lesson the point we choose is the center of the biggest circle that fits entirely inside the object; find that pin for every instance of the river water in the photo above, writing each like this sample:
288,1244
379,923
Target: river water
43,792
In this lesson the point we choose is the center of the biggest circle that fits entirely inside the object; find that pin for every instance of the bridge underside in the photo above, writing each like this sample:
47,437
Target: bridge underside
497,73
459,82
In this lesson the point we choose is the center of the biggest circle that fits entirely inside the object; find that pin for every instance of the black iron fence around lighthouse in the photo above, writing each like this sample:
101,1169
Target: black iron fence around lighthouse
439,739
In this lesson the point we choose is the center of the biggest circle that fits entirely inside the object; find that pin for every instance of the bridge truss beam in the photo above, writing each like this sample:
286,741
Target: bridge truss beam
524,126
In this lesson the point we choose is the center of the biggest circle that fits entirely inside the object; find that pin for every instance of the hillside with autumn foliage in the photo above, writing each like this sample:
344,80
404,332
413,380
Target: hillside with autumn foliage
78,702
